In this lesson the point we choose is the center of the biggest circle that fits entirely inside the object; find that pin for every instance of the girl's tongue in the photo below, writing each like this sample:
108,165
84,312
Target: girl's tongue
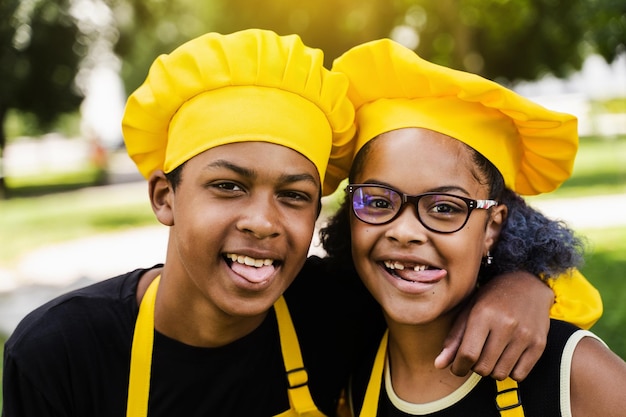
253,273
425,276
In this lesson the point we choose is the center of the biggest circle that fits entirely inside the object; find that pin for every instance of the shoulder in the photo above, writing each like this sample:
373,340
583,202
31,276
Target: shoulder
596,378
103,302
84,335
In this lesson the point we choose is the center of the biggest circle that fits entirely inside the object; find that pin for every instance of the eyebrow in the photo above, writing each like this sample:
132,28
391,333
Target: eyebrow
252,174
222,163
442,189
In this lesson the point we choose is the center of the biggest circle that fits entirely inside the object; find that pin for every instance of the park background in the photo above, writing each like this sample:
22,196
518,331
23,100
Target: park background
73,209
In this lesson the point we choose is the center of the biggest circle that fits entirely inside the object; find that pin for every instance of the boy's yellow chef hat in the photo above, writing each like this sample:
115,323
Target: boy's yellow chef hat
251,85
391,87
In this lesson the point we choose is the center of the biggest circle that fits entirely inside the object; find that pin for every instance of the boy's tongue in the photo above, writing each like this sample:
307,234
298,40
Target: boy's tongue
252,273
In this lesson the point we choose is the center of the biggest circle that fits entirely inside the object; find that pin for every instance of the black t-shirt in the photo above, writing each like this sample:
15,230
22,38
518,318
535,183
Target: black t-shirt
71,356
540,392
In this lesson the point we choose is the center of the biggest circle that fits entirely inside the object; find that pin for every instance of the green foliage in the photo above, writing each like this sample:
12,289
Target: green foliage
605,268
607,26
40,57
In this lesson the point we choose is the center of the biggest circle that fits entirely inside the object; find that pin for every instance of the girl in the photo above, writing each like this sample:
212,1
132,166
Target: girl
433,211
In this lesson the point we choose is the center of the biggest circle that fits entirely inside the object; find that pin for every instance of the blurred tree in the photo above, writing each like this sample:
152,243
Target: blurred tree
505,39
147,28
331,25
508,40
607,27
41,44
40,52
513,40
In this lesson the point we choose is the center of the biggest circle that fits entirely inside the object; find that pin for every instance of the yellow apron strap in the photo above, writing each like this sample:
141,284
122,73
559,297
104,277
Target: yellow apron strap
370,402
508,400
141,355
297,377
141,359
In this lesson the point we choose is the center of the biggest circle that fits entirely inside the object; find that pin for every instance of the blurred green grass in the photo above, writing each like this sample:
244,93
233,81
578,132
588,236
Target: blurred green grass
605,268
600,168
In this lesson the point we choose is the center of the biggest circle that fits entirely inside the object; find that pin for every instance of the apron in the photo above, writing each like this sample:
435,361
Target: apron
508,401
300,401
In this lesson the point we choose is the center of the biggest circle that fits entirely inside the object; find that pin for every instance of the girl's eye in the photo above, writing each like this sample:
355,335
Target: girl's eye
378,203
446,208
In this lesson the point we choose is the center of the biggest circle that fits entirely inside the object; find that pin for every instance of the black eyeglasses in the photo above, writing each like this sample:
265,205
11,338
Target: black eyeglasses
438,212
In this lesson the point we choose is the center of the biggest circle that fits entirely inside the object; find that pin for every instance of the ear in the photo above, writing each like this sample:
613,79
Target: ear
494,226
161,198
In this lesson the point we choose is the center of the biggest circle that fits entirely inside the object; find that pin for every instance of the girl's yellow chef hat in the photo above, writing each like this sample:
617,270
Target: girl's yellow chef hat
391,87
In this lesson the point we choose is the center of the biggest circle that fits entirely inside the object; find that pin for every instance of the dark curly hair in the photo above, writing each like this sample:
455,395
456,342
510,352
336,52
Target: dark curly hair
528,240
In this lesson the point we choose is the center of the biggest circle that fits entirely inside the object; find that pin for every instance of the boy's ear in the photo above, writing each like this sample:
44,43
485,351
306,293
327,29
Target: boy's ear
494,225
161,198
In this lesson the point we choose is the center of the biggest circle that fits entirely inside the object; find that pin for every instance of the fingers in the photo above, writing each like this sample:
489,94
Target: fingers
453,341
512,351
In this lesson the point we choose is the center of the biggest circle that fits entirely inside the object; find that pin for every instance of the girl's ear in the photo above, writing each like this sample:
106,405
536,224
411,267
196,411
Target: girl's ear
161,198
494,226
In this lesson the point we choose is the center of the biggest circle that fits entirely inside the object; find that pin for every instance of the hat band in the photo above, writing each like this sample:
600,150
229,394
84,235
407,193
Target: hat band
486,130
249,114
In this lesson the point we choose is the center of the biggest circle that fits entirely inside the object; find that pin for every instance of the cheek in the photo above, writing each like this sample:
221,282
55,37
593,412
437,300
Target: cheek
301,227
363,239
464,253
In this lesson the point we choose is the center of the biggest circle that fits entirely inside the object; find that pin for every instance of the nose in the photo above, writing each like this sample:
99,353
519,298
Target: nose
260,218
407,229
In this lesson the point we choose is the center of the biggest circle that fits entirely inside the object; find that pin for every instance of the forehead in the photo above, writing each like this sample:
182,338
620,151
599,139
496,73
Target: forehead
259,158
417,157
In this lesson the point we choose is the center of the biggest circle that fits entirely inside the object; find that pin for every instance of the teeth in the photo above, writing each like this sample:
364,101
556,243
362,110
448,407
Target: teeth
400,266
246,260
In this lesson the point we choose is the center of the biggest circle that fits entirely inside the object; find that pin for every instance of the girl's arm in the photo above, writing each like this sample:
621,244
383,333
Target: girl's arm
598,381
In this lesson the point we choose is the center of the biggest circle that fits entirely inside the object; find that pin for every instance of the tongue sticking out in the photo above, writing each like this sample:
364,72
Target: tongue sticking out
252,273
426,276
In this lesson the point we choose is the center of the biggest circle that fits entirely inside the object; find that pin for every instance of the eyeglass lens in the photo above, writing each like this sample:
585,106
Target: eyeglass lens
438,212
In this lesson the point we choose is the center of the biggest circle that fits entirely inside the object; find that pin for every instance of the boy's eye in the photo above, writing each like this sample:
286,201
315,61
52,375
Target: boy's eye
294,196
227,186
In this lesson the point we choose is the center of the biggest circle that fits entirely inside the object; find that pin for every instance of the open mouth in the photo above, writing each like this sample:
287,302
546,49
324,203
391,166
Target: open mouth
412,272
246,260
251,269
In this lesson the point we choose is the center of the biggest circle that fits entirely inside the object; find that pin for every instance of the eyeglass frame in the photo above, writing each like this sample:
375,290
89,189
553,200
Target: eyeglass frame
472,204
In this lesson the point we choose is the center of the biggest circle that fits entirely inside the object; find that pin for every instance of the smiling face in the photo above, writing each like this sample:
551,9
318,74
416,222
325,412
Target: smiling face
242,218
416,274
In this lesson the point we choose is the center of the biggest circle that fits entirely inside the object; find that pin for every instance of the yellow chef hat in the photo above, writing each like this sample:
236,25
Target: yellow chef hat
251,85
391,87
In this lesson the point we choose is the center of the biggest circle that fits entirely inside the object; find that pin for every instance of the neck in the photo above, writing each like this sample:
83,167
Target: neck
412,351
194,321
